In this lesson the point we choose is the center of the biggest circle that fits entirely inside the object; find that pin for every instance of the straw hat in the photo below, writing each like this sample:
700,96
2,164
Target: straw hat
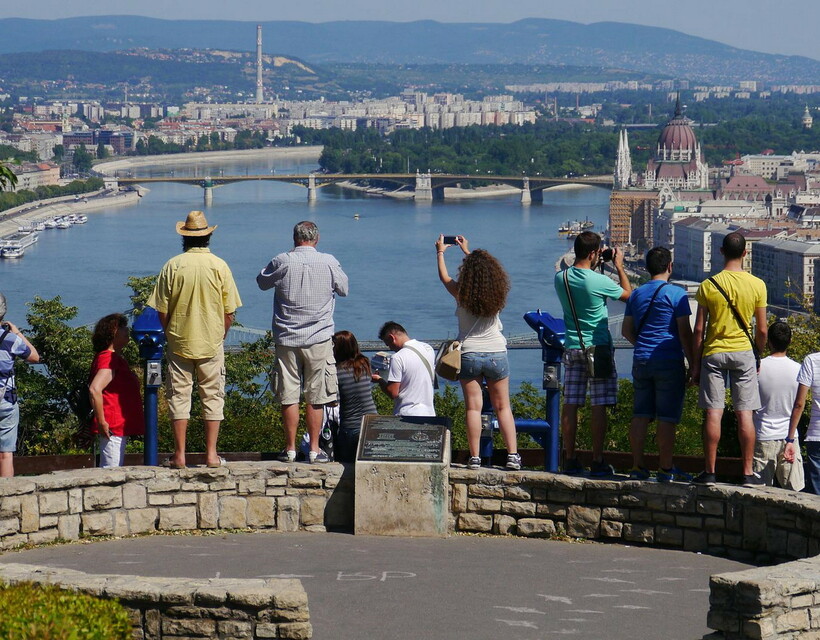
195,225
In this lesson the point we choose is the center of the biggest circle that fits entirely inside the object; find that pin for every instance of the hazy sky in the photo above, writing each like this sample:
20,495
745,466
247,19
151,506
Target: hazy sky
785,26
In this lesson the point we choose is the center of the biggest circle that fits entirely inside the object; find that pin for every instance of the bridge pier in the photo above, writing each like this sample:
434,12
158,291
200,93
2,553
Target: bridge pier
208,193
311,195
526,196
424,187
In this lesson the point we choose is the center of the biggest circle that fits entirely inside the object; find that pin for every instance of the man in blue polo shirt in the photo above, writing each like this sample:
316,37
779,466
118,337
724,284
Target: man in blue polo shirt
656,321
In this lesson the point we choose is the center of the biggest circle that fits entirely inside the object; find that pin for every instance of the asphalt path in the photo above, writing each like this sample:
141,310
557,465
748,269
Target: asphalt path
471,587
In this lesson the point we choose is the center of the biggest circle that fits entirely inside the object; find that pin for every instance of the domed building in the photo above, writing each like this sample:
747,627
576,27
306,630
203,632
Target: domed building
678,161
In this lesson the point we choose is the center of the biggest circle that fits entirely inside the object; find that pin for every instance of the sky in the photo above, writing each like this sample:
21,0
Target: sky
785,26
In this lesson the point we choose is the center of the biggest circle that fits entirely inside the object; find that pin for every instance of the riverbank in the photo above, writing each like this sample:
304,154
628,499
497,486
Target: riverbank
207,157
451,193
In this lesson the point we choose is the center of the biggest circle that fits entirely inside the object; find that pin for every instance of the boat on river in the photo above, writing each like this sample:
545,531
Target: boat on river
12,251
22,238
571,228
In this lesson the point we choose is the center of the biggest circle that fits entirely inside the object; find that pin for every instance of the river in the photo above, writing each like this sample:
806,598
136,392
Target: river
388,252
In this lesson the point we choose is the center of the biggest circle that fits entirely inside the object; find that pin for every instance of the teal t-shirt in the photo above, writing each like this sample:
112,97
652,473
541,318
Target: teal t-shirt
590,291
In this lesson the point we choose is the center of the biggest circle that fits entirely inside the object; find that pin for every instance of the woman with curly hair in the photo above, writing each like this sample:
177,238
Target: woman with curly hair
355,394
481,293
115,391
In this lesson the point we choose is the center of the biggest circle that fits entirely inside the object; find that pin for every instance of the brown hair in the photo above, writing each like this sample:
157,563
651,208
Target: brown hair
347,354
483,284
105,330
585,243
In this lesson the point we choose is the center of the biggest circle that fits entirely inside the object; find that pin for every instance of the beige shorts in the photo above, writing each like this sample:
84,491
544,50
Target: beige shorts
309,370
210,377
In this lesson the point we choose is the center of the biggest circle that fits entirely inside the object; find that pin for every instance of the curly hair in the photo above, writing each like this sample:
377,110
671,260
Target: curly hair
483,284
105,330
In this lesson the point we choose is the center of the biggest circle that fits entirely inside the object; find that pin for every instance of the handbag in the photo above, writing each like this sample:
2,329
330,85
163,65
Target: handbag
598,357
448,360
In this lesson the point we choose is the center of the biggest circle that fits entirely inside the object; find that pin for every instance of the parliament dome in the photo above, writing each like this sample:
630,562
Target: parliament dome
677,134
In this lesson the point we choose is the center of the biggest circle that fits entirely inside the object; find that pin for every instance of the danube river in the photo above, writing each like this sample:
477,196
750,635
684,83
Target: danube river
388,252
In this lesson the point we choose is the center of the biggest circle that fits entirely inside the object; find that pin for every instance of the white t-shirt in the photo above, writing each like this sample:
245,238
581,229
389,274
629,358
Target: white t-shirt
777,381
810,376
415,382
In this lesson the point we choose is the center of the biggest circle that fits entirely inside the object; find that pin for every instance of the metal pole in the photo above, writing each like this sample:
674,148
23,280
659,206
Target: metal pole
151,437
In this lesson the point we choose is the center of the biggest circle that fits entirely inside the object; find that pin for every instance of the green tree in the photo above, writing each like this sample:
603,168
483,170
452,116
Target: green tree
82,160
7,178
102,152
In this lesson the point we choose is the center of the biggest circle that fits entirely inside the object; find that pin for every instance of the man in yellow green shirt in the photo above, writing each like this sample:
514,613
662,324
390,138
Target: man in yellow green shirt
196,298
726,346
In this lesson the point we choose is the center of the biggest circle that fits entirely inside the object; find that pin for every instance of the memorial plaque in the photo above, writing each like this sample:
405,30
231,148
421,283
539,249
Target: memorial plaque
403,439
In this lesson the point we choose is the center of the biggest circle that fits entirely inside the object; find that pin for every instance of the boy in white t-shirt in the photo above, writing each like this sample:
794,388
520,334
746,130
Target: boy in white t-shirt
777,382
808,379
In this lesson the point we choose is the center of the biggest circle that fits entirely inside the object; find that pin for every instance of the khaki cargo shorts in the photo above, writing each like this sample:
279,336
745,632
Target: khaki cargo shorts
210,377
305,370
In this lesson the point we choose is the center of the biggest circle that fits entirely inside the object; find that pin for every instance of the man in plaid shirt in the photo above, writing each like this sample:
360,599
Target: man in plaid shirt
306,283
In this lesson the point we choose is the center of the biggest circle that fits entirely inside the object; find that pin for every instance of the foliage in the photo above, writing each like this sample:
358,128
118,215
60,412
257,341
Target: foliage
245,139
82,159
7,178
141,288
43,192
32,612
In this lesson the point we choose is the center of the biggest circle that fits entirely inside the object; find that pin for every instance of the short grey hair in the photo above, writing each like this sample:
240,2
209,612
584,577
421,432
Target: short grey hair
305,231
2,306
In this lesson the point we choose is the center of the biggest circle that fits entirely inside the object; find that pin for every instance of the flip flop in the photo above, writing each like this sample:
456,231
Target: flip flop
170,464
221,463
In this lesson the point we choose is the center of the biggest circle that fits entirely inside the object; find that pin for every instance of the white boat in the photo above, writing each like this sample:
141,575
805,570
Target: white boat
12,251
50,224
39,226
81,219
70,218
62,223
22,239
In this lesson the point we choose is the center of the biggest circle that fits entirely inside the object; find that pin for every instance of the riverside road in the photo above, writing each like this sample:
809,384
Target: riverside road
471,587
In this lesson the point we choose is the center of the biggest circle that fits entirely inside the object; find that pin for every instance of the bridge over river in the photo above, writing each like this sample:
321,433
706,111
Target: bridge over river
425,186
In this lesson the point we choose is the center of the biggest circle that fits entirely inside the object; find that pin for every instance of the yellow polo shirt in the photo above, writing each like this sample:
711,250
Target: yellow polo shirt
723,333
195,289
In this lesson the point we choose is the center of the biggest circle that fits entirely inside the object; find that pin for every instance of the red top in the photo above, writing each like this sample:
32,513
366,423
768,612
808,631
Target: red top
122,403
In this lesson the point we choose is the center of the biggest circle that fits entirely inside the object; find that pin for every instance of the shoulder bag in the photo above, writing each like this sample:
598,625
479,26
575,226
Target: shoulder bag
598,357
448,358
739,319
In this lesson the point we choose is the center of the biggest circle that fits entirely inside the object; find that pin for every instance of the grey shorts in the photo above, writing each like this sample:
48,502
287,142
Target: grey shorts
9,419
311,370
740,369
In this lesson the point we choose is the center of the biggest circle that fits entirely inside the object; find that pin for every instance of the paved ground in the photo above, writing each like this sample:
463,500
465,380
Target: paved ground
471,587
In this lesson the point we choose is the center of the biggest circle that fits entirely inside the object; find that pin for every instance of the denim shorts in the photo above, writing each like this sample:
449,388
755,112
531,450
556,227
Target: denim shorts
660,387
492,366
9,419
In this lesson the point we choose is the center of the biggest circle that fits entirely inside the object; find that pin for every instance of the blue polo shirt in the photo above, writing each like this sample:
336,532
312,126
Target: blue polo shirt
658,338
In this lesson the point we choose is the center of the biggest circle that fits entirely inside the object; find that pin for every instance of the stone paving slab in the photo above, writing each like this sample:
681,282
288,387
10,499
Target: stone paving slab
469,587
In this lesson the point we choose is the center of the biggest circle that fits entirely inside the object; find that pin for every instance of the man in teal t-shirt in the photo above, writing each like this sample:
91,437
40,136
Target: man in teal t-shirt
590,292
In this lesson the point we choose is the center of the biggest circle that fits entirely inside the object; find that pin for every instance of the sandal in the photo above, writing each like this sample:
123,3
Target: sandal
170,464
221,462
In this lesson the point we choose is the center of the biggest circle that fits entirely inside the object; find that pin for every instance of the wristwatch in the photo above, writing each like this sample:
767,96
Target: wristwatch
790,440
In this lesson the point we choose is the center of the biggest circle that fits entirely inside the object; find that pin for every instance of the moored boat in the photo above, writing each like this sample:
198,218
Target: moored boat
12,251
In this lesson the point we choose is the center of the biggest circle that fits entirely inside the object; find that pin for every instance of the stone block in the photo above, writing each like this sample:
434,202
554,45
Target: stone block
43,536
233,512
266,630
121,523
305,483
503,525
142,520
295,631
55,502
458,497
485,491
185,497
758,629
611,528
234,629
255,486
10,507
710,507
561,495
75,500
474,522
615,513
536,528
723,621
208,511
277,481
801,602
797,546
681,504
515,508
189,627
339,510
640,515
177,518
583,522
660,517
602,498
9,526
164,485
792,621
672,536
313,510
695,540
100,498
693,522
638,533
483,505
97,524
160,499
261,511
518,493
551,510
287,514
29,513
134,496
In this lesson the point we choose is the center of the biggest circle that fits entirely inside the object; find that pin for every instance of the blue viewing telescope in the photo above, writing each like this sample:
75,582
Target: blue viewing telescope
149,335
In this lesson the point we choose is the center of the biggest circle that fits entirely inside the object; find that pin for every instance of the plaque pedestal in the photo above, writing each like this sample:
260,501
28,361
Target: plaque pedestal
398,498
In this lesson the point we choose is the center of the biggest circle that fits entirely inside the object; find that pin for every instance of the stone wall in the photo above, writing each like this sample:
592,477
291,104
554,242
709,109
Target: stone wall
184,608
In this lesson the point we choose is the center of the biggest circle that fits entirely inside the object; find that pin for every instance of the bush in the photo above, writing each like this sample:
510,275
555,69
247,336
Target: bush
31,612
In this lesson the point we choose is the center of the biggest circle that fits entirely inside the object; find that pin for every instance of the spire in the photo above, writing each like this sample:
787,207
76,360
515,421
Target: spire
678,111
623,162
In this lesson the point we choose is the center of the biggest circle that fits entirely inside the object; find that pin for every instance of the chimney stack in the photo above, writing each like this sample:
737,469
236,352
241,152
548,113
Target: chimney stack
260,98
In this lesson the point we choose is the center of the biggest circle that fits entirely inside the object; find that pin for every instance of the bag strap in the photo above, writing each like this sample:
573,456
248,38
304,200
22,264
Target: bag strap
737,315
648,309
424,360
10,377
572,308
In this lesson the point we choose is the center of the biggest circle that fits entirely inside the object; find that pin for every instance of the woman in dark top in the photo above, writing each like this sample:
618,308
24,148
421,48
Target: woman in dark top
114,391
355,394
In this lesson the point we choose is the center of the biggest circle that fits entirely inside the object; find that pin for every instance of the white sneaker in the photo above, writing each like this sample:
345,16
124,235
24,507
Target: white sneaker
287,455
474,463
318,456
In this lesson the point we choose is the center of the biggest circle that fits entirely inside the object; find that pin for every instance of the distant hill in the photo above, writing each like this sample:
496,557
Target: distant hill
531,41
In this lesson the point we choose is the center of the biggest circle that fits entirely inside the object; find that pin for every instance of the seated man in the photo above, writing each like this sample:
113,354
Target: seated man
410,377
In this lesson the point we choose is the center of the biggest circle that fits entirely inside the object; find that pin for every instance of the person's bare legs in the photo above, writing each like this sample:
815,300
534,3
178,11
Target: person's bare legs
569,428
598,423
473,403
711,437
746,435
637,440
314,415
500,399
180,433
290,422
6,464
666,444
211,435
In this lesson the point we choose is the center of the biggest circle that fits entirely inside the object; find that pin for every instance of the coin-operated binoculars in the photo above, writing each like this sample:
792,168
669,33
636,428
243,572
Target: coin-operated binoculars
149,335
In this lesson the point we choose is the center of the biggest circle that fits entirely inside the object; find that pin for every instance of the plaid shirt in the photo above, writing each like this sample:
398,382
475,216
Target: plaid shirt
305,282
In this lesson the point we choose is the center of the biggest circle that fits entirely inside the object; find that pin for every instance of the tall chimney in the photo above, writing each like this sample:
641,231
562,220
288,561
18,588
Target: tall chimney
259,92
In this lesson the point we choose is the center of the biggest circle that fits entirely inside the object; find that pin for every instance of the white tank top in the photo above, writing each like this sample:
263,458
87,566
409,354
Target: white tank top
479,335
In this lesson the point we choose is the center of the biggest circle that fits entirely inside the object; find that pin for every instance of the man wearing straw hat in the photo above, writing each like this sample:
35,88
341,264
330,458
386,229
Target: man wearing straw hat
196,298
